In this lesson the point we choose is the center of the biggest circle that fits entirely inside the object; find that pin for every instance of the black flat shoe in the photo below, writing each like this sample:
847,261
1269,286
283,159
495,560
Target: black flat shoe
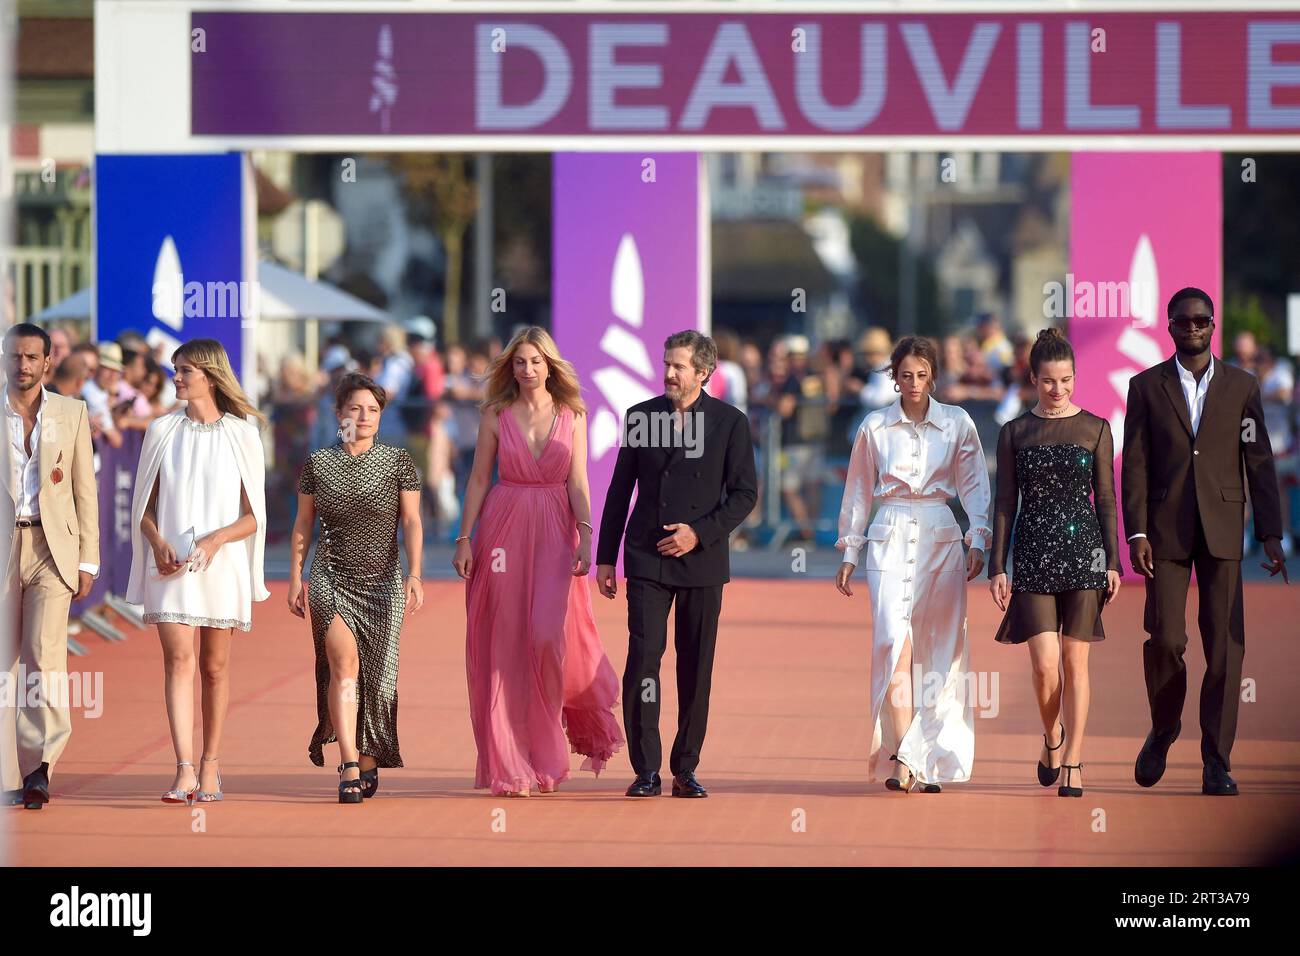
931,788
1065,790
1150,765
370,782
1215,781
1049,775
645,785
36,789
349,790
685,785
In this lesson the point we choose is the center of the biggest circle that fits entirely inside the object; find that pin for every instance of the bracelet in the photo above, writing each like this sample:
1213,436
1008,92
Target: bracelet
588,524
463,537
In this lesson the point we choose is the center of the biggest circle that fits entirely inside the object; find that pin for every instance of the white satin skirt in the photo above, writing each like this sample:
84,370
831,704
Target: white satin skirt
915,570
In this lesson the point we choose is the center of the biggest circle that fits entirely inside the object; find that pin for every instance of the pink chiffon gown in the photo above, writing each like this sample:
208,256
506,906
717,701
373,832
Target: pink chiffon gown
535,664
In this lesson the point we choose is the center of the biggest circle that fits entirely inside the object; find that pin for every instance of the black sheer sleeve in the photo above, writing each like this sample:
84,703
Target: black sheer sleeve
1103,495
1006,500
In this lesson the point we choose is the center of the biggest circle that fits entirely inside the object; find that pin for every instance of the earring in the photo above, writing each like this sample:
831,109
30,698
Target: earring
897,389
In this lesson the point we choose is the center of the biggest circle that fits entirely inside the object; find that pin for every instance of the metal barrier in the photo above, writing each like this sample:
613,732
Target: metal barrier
116,485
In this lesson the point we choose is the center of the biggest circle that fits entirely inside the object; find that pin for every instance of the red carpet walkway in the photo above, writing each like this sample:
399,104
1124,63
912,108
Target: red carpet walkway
784,759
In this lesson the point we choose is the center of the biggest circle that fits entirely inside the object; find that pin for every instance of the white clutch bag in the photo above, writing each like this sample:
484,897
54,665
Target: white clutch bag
182,544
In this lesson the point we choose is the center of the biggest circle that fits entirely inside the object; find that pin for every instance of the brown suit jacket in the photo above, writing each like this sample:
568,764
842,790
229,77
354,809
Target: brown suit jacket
69,506
1169,476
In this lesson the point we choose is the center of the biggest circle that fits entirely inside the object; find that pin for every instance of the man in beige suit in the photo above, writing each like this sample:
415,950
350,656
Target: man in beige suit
52,557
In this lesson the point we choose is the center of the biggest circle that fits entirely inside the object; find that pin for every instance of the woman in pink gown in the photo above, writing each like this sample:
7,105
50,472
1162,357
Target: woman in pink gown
535,664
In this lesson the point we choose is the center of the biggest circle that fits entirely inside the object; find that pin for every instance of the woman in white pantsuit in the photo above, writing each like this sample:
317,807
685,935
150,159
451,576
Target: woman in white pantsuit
910,459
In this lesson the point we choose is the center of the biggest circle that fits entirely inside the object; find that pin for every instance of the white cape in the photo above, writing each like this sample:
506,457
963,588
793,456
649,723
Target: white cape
246,445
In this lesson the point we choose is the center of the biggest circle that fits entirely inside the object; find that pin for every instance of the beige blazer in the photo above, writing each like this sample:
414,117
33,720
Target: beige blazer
68,493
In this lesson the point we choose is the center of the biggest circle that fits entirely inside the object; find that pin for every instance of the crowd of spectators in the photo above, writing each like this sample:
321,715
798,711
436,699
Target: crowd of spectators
804,404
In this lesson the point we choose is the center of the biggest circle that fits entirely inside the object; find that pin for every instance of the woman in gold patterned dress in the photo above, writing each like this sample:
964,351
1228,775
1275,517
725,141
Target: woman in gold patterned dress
362,490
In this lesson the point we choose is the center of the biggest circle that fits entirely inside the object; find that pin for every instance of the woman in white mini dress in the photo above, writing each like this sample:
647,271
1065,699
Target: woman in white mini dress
198,535
910,459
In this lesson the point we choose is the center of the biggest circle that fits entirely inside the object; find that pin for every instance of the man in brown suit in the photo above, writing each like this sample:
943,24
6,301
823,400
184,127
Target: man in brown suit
52,556
1194,440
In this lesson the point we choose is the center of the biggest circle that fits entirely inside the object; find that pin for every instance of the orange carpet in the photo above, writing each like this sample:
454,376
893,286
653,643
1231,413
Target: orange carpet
784,759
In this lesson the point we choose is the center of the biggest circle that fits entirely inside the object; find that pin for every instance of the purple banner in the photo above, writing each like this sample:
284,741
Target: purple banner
798,73
626,275
116,484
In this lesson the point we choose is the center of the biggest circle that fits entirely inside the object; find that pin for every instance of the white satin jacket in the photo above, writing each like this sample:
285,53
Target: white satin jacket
937,459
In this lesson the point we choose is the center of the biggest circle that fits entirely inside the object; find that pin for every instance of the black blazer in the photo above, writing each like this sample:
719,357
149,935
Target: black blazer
713,493
1169,477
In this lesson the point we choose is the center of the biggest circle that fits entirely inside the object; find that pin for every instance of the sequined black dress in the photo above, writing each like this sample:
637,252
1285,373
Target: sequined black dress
1064,542
357,575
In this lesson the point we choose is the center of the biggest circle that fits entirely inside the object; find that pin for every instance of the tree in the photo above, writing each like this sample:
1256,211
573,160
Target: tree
441,184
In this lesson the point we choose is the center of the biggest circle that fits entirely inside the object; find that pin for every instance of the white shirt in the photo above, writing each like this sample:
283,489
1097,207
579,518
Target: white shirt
938,458
1194,395
1194,391
25,480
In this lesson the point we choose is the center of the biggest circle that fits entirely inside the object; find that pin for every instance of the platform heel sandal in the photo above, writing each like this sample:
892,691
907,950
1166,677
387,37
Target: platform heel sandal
349,790
370,782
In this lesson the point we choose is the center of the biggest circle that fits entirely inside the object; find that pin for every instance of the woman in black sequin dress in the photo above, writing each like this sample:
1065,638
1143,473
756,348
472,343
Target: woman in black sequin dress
362,490
1066,556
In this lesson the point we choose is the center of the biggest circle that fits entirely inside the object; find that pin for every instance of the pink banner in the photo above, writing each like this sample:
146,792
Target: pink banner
1142,226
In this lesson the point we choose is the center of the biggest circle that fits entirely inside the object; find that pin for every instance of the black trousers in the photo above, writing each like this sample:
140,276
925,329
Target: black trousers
1223,636
696,626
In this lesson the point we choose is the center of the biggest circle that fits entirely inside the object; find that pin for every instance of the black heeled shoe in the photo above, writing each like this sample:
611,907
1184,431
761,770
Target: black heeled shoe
370,782
349,790
1065,790
1049,775
897,782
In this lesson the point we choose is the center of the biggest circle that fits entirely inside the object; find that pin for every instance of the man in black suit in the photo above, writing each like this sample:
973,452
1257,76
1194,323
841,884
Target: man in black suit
1194,440
691,461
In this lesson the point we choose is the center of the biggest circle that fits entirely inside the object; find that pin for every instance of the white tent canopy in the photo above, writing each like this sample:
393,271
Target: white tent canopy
283,296
287,296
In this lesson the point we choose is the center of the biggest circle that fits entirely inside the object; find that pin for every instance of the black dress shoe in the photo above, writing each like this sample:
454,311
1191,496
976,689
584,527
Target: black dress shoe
646,785
1150,766
685,785
11,798
36,788
1215,781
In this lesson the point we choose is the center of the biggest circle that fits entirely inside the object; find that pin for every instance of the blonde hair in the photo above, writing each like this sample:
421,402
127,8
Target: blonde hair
209,356
561,379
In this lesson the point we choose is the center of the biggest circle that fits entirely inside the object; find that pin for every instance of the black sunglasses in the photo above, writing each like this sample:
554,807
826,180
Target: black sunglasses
1185,323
